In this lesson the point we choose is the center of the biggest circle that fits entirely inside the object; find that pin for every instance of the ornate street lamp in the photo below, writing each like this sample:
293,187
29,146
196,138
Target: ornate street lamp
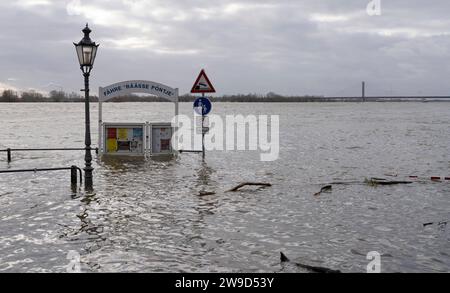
86,51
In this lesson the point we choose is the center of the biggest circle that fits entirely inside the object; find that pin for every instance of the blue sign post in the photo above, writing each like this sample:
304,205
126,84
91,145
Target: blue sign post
202,106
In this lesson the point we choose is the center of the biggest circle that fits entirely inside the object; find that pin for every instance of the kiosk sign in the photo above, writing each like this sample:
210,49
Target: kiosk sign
135,139
124,139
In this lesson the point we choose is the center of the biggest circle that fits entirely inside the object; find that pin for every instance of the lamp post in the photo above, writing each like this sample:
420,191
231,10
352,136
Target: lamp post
86,51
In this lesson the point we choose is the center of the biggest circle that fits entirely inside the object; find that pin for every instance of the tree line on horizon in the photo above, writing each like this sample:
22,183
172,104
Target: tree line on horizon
10,96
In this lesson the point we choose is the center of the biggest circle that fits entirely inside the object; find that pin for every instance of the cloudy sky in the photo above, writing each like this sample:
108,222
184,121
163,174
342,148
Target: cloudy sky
290,47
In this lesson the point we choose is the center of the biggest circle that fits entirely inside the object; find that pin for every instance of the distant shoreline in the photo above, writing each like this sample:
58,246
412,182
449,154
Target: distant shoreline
261,101
9,96
220,100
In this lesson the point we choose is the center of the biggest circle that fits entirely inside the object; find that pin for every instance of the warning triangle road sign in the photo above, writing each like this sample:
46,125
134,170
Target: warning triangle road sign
202,84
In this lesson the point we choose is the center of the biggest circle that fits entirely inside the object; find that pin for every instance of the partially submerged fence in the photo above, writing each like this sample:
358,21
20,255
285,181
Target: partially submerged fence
73,169
73,172
10,150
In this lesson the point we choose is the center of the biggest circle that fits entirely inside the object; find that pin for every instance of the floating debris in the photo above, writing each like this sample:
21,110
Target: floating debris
206,193
236,188
326,188
381,181
440,224
308,268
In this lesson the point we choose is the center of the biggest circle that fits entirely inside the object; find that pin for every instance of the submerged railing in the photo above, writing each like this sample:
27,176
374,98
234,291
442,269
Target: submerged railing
73,172
10,150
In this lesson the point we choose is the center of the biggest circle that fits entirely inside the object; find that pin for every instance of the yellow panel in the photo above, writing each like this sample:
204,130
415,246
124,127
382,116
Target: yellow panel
122,133
111,145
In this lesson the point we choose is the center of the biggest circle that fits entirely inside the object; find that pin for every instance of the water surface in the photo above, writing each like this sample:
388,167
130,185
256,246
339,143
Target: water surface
146,216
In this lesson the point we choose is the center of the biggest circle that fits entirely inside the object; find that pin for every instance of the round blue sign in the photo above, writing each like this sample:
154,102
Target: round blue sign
202,106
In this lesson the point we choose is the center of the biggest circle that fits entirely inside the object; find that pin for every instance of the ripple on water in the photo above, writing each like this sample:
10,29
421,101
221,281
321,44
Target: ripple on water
147,216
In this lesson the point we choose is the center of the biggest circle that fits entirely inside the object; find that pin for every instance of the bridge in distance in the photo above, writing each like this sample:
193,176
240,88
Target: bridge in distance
389,98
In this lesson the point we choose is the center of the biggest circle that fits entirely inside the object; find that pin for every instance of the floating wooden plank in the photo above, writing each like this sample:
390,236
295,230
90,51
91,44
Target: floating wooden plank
205,193
326,188
236,188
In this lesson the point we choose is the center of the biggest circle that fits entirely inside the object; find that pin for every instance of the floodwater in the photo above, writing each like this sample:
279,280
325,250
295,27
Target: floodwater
147,216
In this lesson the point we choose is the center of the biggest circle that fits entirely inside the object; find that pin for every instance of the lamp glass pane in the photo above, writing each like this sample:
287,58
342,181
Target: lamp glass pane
79,54
94,54
87,55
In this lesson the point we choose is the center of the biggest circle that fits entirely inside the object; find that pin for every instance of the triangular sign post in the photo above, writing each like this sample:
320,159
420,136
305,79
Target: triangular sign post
202,84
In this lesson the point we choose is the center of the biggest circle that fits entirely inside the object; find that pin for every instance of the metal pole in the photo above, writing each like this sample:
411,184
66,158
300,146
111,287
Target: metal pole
88,182
203,132
363,91
176,119
100,120
73,175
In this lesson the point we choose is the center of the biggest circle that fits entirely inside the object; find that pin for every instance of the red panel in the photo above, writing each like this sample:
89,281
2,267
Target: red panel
165,144
112,133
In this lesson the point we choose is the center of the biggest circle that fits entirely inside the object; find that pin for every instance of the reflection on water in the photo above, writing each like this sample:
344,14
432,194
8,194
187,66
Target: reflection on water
174,214
204,173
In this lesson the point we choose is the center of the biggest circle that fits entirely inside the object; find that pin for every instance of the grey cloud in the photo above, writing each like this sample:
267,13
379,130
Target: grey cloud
290,47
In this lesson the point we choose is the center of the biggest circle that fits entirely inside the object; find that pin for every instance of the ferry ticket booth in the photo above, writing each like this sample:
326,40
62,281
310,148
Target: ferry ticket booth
136,139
